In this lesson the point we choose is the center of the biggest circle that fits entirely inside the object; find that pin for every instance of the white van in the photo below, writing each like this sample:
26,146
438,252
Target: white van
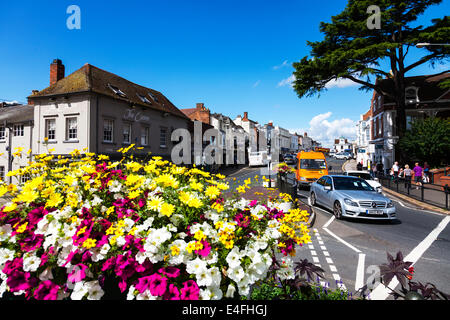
258,158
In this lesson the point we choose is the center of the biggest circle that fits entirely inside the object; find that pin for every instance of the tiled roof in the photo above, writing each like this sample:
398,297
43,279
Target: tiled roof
18,113
92,79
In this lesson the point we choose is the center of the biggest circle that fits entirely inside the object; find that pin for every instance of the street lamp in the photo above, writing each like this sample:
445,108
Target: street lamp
426,44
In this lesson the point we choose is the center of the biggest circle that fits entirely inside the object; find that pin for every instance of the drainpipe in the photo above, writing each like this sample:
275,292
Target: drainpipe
31,139
9,147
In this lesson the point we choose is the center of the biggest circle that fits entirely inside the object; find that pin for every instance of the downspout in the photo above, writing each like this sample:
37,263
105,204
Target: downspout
97,122
31,138
9,150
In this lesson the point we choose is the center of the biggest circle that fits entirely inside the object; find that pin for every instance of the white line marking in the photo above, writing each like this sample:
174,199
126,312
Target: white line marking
359,282
310,246
328,222
326,253
329,260
323,248
381,292
320,242
342,241
315,259
313,252
333,268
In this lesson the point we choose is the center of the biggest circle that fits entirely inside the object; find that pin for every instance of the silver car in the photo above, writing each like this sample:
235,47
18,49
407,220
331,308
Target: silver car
351,197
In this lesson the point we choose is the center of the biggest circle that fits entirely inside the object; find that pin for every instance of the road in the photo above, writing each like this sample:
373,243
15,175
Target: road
350,250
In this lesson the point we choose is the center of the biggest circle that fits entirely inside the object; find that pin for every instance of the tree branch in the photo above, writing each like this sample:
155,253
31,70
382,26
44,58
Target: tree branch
421,61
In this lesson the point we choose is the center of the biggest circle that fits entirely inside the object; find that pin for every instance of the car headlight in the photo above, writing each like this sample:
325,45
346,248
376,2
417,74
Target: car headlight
351,202
390,204
302,178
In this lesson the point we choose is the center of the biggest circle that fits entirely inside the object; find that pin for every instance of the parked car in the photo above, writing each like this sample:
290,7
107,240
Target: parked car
289,159
351,197
366,176
343,156
258,158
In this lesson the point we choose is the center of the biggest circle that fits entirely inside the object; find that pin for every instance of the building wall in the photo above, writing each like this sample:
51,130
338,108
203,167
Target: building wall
24,142
91,111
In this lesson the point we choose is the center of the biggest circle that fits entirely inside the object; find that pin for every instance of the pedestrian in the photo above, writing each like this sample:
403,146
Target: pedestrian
407,175
374,170
418,175
359,166
395,170
426,172
379,168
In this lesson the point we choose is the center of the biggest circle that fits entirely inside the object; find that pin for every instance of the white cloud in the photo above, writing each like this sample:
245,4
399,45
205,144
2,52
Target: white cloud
287,81
340,83
324,129
284,64
256,83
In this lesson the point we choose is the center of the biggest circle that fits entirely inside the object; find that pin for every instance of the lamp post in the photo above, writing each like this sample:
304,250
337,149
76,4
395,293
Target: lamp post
269,154
427,44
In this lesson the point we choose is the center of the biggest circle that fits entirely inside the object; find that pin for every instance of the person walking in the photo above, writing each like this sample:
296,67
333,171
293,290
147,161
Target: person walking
374,170
426,172
418,175
407,173
359,166
395,171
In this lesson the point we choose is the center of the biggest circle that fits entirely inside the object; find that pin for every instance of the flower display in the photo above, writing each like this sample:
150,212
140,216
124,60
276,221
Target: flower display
283,168
156,230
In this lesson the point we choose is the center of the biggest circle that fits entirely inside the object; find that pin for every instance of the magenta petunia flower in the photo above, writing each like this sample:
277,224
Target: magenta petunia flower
190,290
158,285
205,251
172,293
46,290
18,280
170,272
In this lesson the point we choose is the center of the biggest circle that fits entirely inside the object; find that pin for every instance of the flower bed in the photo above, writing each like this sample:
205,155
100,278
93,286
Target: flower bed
83,228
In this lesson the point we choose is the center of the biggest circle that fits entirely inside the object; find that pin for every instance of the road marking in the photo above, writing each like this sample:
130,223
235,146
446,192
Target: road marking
359,282
328,222
342,241
381,292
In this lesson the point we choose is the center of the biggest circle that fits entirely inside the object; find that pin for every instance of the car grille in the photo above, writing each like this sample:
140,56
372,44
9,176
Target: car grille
311,179
369,204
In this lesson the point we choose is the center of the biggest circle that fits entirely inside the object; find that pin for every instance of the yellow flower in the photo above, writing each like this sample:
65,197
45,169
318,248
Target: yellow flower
196,186
154,203
54,200
199,235
134,194
89,243
175,250
27,196
10,208
3,190
22,228
167,209
212,192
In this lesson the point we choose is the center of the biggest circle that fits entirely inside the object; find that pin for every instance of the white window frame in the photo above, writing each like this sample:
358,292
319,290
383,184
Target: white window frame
2,133
111,121
145,134
47,129
19,130
71,135
126,125
161,130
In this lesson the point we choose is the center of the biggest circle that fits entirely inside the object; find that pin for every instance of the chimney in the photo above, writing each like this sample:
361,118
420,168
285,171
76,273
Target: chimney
57,71
245,116
200,106
33,92
305,134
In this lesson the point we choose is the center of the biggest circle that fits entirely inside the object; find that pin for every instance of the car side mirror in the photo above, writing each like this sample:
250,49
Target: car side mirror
328,188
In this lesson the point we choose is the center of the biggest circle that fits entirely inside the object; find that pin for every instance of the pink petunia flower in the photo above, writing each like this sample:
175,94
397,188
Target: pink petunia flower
190,290
170,272
46,290
172,293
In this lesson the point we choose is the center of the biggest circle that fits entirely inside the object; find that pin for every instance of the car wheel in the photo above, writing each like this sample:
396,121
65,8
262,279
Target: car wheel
313,199
337,210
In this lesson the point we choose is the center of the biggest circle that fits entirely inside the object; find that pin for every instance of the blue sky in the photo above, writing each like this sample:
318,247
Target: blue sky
231,55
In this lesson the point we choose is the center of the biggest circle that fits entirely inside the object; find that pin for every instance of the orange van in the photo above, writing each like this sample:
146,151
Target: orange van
311,166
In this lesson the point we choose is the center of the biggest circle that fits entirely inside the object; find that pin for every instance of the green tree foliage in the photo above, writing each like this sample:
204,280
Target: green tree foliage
351,50
428,140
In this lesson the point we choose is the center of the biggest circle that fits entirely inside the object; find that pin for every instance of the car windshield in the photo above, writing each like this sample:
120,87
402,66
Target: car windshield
312,164
344,183
362,175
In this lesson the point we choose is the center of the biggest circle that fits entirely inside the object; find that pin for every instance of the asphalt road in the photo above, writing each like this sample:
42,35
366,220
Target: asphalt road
350,250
